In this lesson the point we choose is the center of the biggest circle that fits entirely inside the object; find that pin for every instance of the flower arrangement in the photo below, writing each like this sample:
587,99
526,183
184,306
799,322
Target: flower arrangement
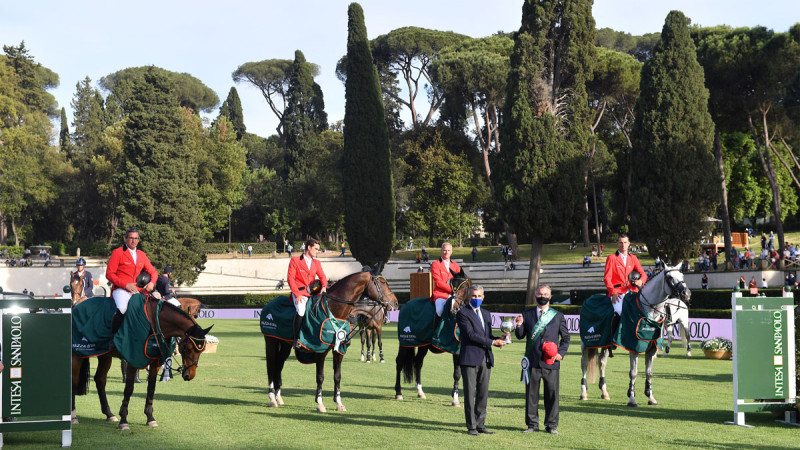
717,343
212,339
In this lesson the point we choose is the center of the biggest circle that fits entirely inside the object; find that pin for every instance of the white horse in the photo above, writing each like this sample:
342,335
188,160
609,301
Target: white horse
677,314
667,284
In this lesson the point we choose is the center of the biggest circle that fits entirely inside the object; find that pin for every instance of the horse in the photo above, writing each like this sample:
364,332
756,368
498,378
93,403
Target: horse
173,323
343,302
76,287
667,284
410,359
371,325
191,306
677,314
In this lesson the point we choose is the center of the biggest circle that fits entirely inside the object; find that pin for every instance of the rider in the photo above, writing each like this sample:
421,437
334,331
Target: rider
618,279
442,271
302,272
124,267
163,287
86,277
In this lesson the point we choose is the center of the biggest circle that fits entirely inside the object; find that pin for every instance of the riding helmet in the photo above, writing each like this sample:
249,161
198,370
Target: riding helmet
142,279
80,262
634,276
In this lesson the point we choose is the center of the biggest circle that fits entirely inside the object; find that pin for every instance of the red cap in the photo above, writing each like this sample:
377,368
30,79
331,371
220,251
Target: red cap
549,352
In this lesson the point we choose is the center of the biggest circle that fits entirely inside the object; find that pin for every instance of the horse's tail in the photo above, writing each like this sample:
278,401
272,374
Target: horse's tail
592,365
83,378
406,363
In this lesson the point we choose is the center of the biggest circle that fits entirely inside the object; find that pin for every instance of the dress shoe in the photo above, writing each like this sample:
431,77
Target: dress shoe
551,430
530,430
485,431
473,433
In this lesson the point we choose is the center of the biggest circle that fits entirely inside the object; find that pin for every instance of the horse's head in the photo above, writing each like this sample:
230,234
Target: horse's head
460,283
190,347
378,290
675,285
76,287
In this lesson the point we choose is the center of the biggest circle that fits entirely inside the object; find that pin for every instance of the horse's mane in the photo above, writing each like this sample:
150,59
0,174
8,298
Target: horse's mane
169,305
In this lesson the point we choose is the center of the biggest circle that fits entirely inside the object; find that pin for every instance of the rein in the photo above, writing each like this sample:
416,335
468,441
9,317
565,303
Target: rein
155,327
379,301
663,312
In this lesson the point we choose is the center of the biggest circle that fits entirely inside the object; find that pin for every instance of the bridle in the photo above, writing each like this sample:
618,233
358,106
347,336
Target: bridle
468,283
183,342
380,301
674,289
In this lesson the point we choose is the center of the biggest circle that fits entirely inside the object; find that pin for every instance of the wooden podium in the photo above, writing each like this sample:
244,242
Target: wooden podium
421,285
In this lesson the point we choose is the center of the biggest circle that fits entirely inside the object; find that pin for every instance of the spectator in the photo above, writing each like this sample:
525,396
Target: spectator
714,258
424,254
280,284
474,254
289,249
344,247
771,242
704,281
764,284
249,250
420,270
701,261
752,284
763,241
742,282
587,261
410,243
573,245
685,266
419,257
504,251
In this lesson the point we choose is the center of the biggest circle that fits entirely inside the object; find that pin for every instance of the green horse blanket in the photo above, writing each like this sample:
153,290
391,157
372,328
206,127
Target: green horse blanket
637,333
415,327
595,322
135,340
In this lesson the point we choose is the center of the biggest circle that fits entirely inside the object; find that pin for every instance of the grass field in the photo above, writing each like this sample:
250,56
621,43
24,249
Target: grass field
225,406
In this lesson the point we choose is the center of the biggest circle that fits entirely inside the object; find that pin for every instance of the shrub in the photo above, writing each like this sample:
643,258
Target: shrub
221,248
717,343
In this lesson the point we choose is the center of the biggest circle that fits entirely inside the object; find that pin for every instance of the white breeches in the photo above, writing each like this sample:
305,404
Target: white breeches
121,298
440,302
175,302
300,305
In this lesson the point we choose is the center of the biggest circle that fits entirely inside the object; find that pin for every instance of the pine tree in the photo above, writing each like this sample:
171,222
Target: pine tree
232,109
63,135
545,129
369,203
672,159
158,181
298,125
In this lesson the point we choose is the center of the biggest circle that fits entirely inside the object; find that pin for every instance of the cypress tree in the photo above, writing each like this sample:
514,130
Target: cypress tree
63,136
673,164
545,131
298,125
158,181
369,203
232,109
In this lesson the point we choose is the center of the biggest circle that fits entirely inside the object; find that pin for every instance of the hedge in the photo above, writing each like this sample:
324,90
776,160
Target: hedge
229,247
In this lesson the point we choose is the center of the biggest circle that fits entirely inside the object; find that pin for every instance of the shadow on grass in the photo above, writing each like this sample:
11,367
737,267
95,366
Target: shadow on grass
395,422
707,378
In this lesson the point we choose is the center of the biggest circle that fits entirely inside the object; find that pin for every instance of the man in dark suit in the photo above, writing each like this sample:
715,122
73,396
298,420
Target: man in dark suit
542,327
476,359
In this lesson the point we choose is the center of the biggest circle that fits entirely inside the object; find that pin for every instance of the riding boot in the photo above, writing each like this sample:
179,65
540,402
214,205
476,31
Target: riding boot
116,322
436,321
298,322
614,328
123,365
137,380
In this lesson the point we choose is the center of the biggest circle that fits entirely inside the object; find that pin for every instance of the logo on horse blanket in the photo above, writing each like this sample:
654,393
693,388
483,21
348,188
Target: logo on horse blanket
595,323
134,341
277,317
415,327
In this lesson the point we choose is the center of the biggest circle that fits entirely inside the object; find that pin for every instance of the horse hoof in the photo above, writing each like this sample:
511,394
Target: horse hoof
605,397
75,421
273,404
368,361
584,396
152,423
688,354
124,426
362,359
112,419
341,408
398,397
421,395
456,404
382,361
633,404
321,408
280,400
652,402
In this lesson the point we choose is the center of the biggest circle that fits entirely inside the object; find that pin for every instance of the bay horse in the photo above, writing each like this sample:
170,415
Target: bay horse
371,325
173,323
191,306
76,287
343,302
677,314
410,359
653,296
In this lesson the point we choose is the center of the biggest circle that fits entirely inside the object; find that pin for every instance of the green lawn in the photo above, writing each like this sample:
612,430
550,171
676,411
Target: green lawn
225,406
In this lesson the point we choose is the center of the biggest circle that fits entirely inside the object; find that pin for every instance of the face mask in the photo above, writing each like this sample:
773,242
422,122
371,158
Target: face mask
541,301
475,302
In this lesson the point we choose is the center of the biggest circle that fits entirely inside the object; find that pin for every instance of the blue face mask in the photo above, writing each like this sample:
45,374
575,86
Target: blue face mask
476,302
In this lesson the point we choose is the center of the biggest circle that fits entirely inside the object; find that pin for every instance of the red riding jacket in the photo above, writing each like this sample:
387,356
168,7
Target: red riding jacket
616,274
121,269
300,276
441,278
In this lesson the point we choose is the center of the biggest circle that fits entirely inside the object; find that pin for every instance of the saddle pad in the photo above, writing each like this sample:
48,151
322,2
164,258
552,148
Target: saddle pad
415,322
277,318
91,326
447,336
595,321
637,333
319,328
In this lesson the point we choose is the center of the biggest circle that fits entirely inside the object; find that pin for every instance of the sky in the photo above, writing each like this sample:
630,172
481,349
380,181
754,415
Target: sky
210,39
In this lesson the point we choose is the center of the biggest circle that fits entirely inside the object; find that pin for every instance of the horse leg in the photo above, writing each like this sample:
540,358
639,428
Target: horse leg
371,348
632,385
649,360
152,374
380,344
270,347
602,363
456,379
668,330
362,345
585,352
337,381
685,338
284,349
130,374
403,364
418,361
100,379
320,379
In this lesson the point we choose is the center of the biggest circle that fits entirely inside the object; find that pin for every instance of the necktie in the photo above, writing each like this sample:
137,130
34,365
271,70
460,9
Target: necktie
480,316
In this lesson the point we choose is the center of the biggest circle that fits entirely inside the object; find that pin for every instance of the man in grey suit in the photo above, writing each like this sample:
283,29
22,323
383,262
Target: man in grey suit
476,359
547,340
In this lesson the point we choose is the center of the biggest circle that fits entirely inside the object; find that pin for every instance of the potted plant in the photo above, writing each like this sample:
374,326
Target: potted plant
717,348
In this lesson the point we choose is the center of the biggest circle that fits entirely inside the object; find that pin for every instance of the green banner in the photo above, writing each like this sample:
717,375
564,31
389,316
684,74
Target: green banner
762,363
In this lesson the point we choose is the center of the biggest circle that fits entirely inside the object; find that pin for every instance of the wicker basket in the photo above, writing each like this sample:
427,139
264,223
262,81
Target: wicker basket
715,354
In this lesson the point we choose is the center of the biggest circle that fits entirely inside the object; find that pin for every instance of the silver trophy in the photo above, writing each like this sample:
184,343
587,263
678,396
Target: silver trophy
508,326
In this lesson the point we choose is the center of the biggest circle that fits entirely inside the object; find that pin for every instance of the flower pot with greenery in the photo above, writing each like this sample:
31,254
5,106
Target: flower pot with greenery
717,348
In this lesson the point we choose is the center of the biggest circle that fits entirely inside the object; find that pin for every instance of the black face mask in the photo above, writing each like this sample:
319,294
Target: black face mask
541,301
